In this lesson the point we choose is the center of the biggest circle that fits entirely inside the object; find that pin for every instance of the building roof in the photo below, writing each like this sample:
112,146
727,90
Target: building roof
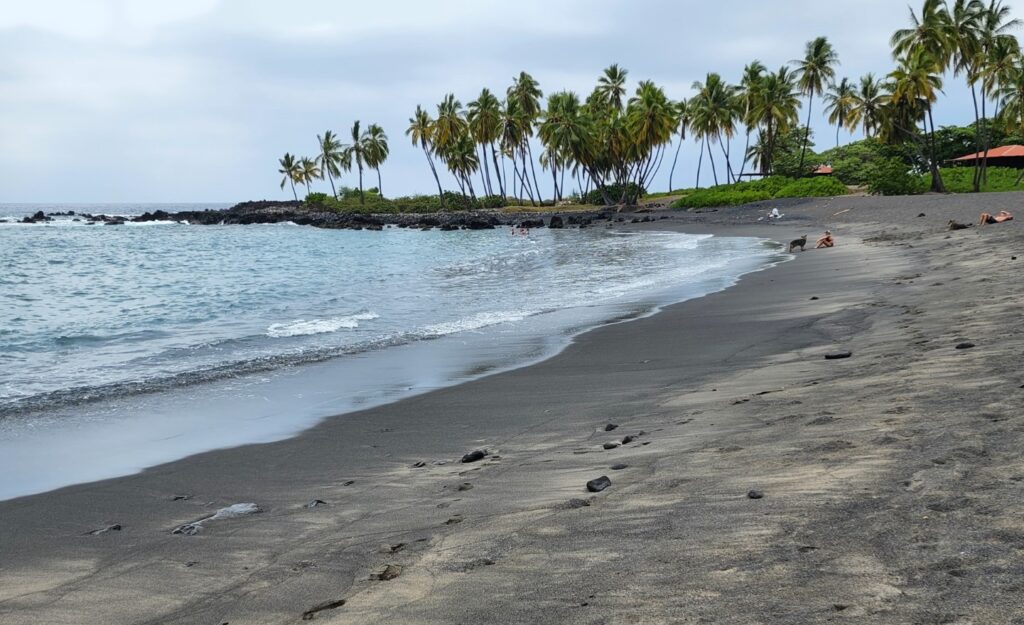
823,170
1006,151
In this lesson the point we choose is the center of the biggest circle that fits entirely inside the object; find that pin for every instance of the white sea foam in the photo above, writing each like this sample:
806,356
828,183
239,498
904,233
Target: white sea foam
476,322
303,327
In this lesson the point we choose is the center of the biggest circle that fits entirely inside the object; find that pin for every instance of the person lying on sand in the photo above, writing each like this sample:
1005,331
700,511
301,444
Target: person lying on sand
825,241
1000,217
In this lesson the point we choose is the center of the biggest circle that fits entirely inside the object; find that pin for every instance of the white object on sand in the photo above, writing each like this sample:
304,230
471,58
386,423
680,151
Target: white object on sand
231,512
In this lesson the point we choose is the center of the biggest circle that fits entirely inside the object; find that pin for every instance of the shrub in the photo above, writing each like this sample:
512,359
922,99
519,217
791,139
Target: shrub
760,190
492,201
891,176
961,179
615,192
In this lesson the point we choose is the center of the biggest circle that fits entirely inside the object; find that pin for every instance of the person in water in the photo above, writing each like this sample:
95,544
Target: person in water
825,241
998,218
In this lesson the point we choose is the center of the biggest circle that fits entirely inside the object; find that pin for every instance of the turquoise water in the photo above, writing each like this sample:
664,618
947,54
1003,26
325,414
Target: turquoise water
151,330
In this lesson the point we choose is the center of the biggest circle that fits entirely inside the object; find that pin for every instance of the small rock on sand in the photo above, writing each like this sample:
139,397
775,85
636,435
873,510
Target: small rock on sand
838,355
465,486
628,439
389,548
965,345
310,614
610,427
599,484
610,445
619,467
454,520
755,494
104,530
474,456
419,465
573,504
316,502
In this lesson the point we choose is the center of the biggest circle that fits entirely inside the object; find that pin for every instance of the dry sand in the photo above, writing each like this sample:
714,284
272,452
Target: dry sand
891,481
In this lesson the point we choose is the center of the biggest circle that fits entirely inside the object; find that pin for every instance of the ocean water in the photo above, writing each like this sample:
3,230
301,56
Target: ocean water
122,347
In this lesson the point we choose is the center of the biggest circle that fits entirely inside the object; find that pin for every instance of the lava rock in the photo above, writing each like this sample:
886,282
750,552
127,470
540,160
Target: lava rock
388,573
838,355
474,456
610,427
610,445
965,345
628,439
556,222
599,484
315,503
755,494
104,530
619,467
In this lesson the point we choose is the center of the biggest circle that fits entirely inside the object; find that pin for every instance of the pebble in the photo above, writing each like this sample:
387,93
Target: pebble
474,456
628,439
389,548
388,573
103,530
316,502
619,467
310,614
598,485
755,494
610,427
965,346
419,465
610,445
465,486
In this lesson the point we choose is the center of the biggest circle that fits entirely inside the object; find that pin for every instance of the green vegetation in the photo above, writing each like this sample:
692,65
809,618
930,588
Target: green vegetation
607,147
961,179
370,201
773,187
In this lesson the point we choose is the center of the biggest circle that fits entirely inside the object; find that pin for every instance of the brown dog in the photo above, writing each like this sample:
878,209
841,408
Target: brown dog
801,242
953,225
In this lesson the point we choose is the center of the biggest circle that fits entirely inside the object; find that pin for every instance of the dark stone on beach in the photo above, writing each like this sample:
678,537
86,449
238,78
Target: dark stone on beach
474,456
556,222
316,502
921,215
965,346
454,520
389,548
815,298
610,427
531,223
610,445
619,467
103,530
348,483
598,485
181,497
755,494
388,573
838,355
419,465
311,613
628,439
188,529
465,486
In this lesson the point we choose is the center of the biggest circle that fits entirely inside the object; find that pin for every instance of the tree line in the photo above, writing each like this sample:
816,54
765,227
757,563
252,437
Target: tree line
615,145
368,150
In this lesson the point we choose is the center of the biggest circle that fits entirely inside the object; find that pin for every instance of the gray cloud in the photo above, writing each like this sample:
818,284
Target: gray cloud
195,100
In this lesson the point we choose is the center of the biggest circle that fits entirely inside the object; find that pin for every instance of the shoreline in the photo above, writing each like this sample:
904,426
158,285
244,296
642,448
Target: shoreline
276,388
732,393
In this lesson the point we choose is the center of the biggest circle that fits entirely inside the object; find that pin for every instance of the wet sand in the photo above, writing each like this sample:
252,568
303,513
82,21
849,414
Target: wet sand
886,486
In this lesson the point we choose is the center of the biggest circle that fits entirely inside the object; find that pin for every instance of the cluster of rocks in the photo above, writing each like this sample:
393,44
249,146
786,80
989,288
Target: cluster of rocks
89,219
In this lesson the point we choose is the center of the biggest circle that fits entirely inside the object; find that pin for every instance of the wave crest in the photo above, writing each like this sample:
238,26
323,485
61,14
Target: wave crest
303,327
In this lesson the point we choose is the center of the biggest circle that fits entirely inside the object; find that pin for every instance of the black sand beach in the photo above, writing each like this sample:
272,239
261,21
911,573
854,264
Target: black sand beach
761,483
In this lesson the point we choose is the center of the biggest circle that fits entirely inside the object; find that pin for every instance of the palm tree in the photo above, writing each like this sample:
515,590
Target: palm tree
484,117
1010,97
291,170
866,105
816,68
839,101
308,172
775,110
375,150
462,161
651,120
1000,51
612,85
749,86
329,159
355,152
963,36
421,132
714,110
929,32
914,86
683,124
526,94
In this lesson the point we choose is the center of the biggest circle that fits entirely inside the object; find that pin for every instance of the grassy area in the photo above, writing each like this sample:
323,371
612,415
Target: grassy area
773,187
961,179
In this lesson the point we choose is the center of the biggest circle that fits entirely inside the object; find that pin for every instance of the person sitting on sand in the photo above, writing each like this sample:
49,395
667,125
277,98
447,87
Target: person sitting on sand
1000,217
825,241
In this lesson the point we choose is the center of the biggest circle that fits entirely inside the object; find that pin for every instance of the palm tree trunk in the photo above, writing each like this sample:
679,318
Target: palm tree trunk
674,161
746,148
807,132
937,185
362,200
700,161
497,171
430,161
533,170
296,195
711,157
333,191
380,188
838,128
728,165
984,140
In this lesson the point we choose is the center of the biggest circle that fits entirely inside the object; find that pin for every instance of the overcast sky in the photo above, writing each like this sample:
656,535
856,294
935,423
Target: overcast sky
194,100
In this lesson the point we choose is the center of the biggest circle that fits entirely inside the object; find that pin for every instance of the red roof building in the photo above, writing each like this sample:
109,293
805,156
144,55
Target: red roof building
1003,156
822,170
